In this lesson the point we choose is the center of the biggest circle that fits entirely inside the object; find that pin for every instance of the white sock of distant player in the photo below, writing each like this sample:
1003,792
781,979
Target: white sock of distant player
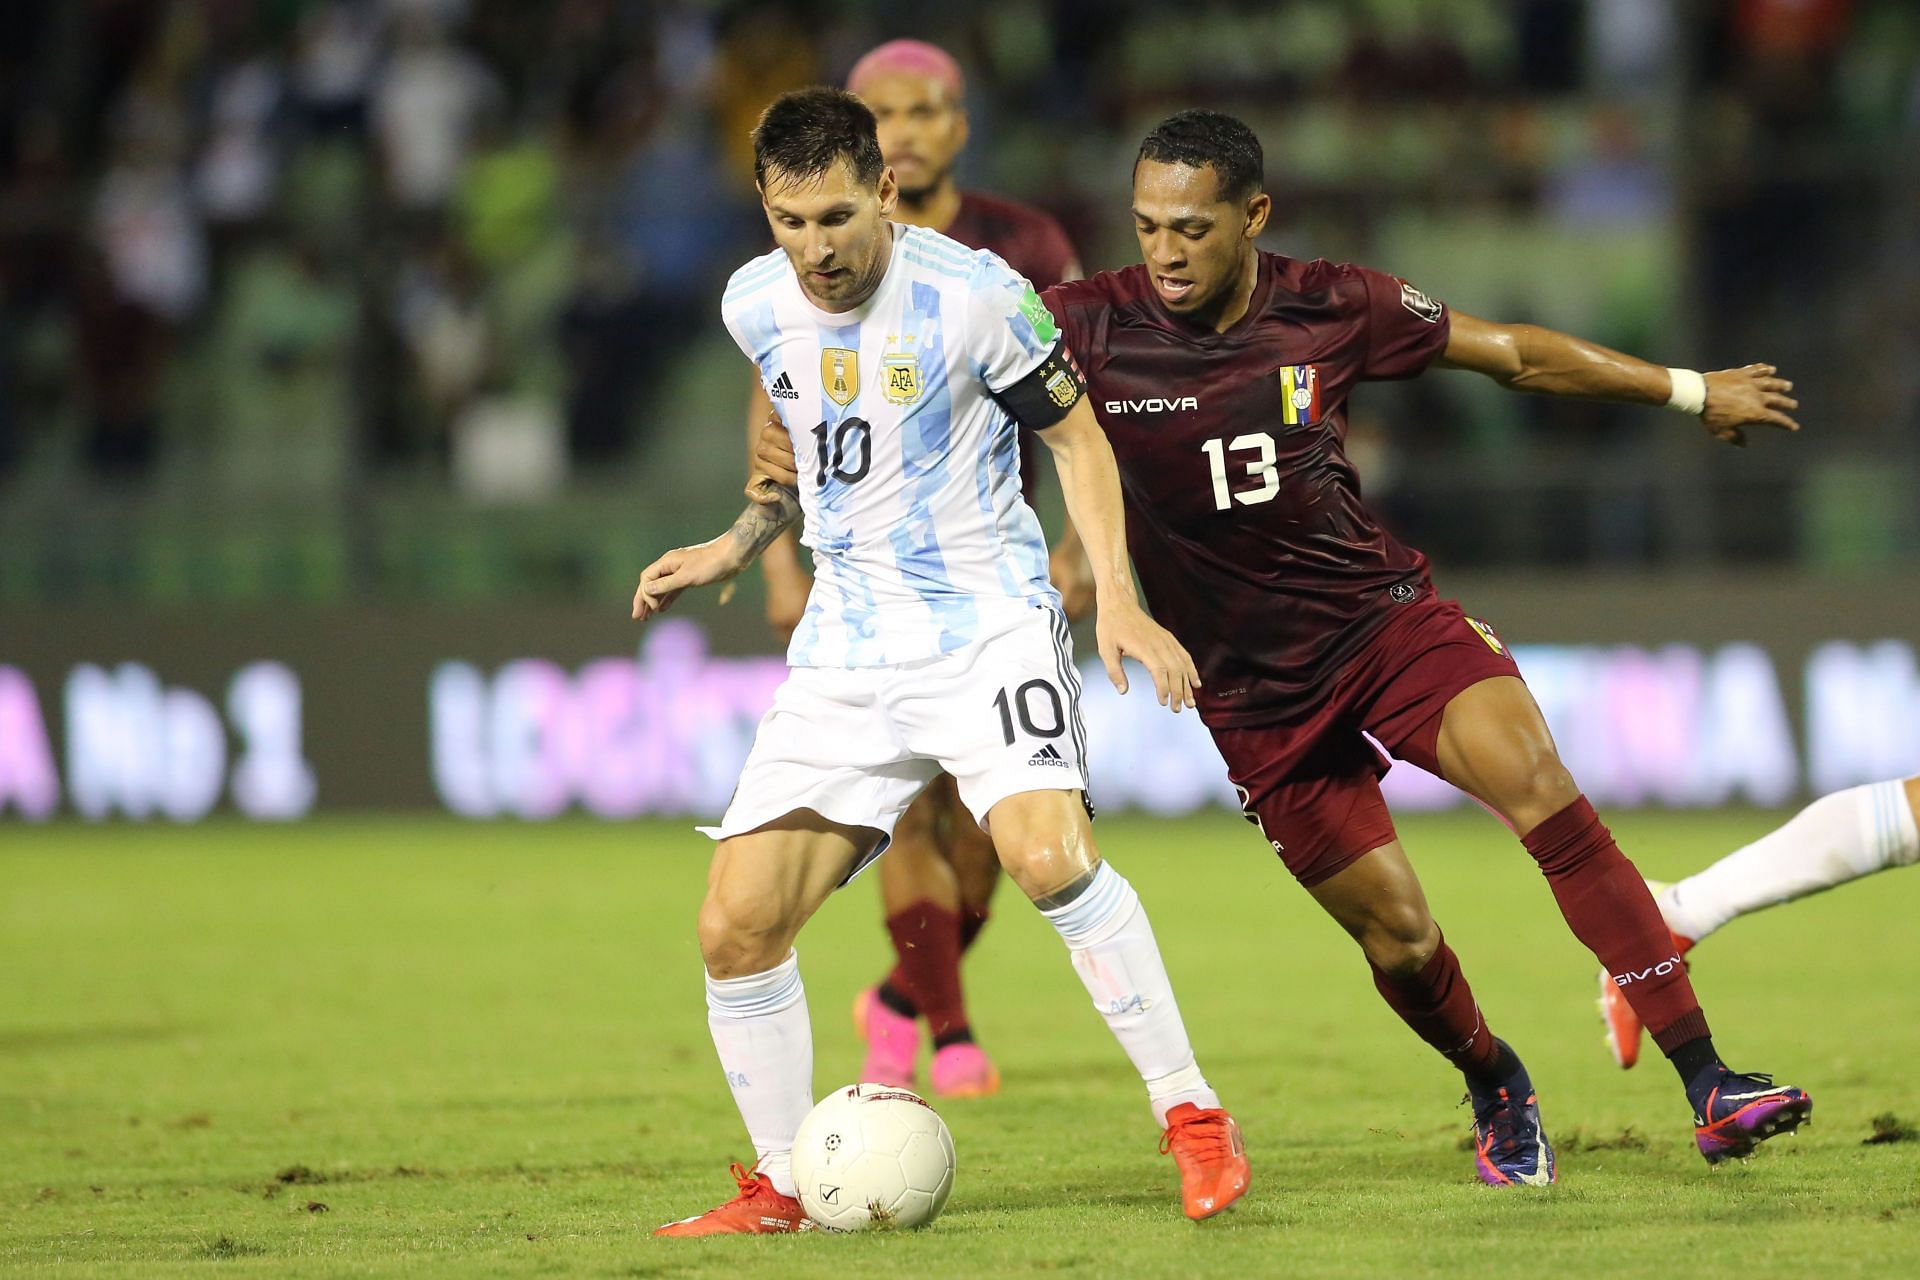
1114,952
1835,839
765,1039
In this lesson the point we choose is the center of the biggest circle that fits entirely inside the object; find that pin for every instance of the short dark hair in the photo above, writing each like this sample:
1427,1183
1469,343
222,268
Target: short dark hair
1198,138
803,133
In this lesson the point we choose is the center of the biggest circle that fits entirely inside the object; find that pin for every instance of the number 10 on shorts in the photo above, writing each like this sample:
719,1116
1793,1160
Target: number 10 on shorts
1021,703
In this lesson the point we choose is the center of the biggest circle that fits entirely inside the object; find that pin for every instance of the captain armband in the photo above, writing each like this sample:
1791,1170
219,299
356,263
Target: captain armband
1046,395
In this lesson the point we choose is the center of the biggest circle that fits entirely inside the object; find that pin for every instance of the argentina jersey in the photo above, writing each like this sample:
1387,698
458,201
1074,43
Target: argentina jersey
909,468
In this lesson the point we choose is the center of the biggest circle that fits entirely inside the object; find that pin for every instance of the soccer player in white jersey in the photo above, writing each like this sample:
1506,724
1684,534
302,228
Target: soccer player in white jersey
1837,838
903,365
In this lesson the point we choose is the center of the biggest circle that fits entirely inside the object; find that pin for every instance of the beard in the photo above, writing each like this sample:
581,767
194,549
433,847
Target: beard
923,192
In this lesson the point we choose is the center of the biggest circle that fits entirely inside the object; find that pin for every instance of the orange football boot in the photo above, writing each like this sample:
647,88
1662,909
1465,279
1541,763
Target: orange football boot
1212,1158
758,1210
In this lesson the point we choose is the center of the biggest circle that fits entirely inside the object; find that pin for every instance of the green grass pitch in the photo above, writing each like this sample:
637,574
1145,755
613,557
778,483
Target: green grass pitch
396,1046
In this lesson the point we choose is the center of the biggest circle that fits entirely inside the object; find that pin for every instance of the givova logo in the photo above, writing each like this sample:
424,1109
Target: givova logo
1154,404
1660,970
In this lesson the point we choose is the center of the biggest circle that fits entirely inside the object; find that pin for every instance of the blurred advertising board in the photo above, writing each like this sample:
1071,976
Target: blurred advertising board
1680,694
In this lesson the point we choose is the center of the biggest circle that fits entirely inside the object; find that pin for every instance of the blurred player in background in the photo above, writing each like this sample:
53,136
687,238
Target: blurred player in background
940,873
1837,838
1221,375
932,640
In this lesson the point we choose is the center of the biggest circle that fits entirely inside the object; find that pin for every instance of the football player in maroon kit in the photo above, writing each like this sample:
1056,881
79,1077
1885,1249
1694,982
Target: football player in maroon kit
1221,375
938,878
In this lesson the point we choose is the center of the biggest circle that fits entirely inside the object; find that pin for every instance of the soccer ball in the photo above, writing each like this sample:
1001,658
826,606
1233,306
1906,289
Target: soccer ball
871,1156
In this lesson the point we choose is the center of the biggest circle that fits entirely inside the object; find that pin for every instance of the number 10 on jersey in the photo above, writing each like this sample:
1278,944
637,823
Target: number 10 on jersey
845,452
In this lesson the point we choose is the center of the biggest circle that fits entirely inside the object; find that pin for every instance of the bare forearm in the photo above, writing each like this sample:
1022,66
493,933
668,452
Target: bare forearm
1090,483
759,527
1527,357
1559,364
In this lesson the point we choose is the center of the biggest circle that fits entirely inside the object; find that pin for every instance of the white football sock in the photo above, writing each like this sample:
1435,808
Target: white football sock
765,1039
1835,839
1114,952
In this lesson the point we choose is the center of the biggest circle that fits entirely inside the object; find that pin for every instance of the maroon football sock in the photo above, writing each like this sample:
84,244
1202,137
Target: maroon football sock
1439,1005
926,940
1609,908
972,921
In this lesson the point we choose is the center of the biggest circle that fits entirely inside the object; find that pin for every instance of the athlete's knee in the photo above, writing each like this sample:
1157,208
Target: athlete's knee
1047,867
1538,787
1400,937
1043,841
743,930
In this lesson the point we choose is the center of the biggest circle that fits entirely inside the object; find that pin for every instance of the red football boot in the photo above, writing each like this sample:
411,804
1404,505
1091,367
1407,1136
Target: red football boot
758,1210
1212,1158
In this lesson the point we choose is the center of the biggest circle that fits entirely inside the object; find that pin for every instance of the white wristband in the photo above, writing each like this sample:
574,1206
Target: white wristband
1689,394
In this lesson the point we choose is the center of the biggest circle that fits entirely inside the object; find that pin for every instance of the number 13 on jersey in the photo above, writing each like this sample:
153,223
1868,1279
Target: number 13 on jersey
1260,468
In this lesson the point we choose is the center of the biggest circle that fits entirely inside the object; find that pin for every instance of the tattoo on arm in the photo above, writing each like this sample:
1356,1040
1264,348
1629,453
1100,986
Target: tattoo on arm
1069,891
758,526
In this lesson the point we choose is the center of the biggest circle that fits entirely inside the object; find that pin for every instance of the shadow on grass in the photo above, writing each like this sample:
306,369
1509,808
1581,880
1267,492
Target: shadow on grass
30,1041
301,1175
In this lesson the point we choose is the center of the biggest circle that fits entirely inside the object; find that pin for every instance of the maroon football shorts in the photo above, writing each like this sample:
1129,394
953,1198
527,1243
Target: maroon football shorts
1312,783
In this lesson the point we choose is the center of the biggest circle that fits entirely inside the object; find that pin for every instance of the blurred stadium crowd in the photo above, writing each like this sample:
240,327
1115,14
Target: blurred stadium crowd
315,299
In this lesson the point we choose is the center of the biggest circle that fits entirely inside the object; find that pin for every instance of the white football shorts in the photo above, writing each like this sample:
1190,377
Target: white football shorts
1002,715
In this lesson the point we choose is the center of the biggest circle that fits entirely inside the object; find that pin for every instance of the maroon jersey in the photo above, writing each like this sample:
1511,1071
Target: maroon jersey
1243,512
1032,244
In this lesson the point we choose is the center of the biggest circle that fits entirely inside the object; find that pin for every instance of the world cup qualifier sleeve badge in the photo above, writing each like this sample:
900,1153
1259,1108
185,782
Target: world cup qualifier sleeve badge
1300,395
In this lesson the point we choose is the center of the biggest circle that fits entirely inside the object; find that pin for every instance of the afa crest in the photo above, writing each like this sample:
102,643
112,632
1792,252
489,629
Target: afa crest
902,373
840,374
1062,389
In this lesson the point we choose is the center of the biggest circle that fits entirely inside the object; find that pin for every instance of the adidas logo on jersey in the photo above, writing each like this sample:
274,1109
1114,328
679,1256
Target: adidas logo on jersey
1047,755
783,388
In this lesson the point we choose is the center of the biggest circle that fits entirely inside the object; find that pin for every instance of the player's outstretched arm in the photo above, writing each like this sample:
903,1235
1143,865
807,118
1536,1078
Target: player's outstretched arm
1527,357
1090,482
716,559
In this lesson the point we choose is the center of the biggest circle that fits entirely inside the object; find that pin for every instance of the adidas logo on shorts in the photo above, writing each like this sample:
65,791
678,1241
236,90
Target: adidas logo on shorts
1047,755
783,388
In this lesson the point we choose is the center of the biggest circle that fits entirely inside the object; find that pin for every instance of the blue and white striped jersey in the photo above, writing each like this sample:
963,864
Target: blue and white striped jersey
909,468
